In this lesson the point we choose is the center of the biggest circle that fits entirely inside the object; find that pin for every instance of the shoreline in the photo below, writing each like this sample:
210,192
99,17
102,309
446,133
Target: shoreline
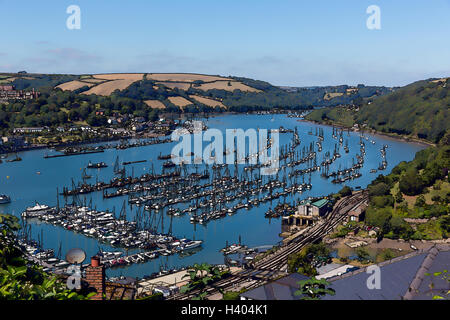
375,132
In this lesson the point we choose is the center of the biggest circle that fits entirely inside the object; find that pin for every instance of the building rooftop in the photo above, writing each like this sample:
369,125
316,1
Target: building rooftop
401,278
282,289
321,203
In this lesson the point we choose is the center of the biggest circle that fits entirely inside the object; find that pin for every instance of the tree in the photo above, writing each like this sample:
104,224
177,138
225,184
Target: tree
380,189
399,197
313,289
306,260
345,191
420,201
363,255
411,183
202,275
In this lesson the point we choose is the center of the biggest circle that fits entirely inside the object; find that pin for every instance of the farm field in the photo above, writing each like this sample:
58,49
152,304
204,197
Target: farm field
226,85
180,101
120,76
182,77
207,101
155,104
73,85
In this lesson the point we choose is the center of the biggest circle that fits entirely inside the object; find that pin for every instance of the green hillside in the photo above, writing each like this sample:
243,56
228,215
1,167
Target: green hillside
419,110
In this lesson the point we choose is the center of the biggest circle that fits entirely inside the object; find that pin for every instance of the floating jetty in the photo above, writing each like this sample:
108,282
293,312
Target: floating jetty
133,162
70,154
106,228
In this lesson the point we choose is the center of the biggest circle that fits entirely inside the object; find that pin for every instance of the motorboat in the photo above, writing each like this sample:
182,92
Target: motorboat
4,199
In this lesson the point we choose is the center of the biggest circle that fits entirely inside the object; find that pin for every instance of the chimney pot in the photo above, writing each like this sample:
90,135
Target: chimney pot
95,261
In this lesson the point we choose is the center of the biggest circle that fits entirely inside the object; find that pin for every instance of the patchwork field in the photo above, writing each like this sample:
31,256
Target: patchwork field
155,104
207,101
180,101
226,85
74,85
330,96
182,77
120,76
105,89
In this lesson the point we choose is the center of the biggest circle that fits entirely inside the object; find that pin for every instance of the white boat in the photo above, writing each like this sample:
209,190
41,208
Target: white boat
4,199
187,245
36,210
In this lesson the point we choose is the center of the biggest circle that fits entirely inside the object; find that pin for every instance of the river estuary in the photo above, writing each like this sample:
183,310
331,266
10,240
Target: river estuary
37,179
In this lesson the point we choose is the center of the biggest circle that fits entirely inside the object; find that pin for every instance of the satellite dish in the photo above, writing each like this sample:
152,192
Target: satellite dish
75,256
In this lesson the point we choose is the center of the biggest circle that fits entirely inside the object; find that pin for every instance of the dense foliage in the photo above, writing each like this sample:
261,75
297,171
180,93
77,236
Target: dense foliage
202,275
305,261
388,197
420,109
61,107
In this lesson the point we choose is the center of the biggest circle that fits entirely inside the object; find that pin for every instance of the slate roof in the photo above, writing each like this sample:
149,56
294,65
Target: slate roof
397,277
320,203
401,278
282,289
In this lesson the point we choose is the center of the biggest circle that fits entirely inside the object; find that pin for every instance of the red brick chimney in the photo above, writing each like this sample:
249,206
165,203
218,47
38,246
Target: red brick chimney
95,277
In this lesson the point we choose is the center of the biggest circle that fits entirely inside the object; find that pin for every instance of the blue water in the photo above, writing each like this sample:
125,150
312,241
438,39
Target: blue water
21,181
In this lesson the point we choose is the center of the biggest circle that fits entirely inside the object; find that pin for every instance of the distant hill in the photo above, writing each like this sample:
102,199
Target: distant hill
195,91
420,110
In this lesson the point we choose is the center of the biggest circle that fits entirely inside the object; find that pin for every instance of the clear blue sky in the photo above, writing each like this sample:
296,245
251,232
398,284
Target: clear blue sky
297,43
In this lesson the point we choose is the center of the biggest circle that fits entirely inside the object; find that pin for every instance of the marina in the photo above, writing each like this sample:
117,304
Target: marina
213,203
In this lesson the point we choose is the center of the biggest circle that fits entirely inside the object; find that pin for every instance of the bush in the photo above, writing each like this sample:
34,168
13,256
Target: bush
387,254
345,191
302,262
382,201
380,189
363,255
420,201
378,217
231,295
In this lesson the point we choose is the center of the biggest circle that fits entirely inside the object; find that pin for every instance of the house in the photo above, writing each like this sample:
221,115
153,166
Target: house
9,92
307,213
106,290
139,127
16,141
357,214
112,121
315,209
29,130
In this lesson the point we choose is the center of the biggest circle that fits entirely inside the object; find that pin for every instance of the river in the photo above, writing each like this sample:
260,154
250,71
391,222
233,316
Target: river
21,181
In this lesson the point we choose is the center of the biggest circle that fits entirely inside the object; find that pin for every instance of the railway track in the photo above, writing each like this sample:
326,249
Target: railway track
277,261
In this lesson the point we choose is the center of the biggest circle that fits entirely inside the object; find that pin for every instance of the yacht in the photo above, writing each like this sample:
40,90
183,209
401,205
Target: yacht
36,210
4,199
190,244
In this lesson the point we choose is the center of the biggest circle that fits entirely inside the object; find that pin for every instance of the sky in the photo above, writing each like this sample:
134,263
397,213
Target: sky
284,42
